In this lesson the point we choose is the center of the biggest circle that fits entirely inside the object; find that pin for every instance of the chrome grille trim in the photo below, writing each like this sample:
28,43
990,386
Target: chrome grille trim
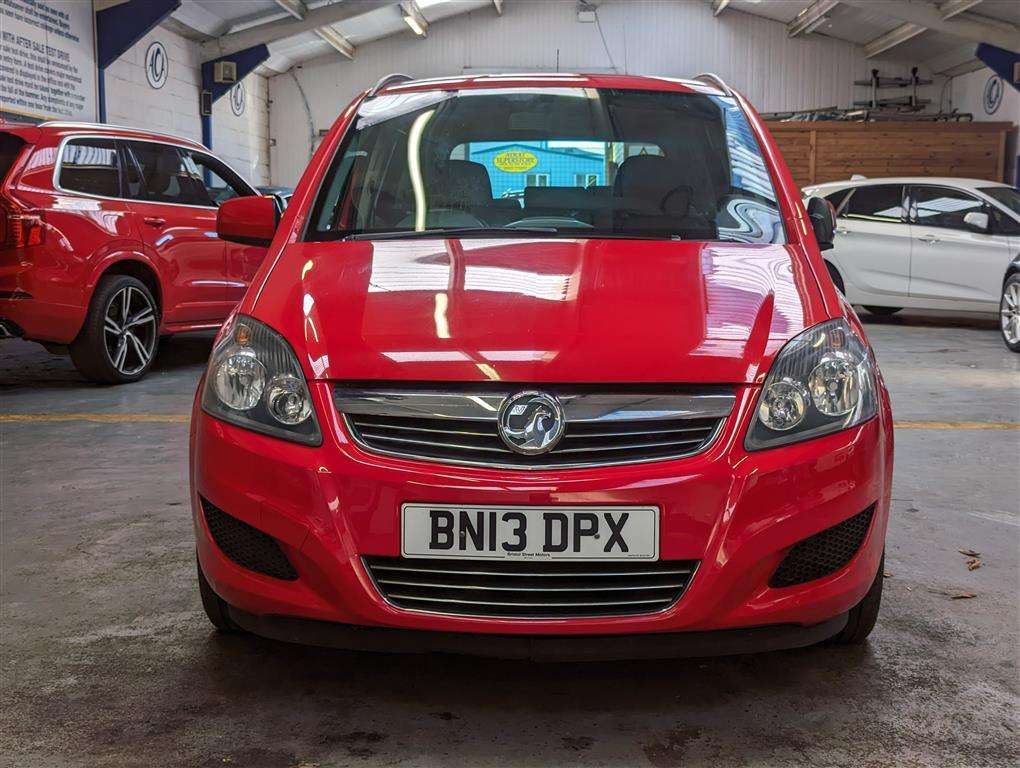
647,405
459,425
529,590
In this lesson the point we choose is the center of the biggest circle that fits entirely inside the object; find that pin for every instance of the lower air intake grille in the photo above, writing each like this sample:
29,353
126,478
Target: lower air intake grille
530,590
823,553
247,546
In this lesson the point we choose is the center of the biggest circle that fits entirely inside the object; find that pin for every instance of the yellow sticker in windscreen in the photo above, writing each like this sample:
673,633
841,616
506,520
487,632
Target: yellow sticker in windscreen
515,161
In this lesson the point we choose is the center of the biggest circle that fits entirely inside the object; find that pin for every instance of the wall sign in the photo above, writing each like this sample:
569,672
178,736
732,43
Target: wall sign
237,99
47,60
515,161
157,65
992,98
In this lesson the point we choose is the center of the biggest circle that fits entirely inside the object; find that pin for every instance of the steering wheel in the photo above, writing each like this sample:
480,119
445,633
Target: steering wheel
549,221
446,217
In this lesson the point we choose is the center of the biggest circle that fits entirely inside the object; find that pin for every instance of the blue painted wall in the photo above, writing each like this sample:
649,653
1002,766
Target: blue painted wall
562,165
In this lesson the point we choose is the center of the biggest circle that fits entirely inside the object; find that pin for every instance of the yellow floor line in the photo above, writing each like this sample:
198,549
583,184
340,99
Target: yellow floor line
154,418
172,418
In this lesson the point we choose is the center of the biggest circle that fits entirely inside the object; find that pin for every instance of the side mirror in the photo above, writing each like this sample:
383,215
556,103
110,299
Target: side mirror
248,220
977,220
823,221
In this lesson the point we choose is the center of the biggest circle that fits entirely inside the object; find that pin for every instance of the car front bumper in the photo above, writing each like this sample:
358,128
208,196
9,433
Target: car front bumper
737,513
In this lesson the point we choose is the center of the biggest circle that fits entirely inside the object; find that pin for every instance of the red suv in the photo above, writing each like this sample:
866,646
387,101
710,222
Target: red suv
622,413
108,241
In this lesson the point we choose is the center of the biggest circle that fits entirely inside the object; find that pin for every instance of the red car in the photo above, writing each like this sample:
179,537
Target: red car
108,241
626,414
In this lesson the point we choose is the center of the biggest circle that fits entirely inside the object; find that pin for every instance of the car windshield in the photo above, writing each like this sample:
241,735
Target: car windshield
574,162
1008,196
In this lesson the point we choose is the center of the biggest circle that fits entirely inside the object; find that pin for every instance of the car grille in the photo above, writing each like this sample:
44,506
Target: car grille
601,429
247,546
530,590
824,553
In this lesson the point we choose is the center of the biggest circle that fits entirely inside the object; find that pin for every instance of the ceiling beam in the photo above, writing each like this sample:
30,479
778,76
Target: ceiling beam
810,18
718,6
908,30
414,18
338,42
892,38
276,30
964,68
931,17
952,7
295,8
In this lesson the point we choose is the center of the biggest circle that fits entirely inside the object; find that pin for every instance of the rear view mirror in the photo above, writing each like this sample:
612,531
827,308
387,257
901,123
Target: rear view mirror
248,220
977,221
823,221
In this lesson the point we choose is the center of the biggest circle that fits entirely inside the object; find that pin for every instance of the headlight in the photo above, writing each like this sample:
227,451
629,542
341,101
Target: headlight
822,381
254,381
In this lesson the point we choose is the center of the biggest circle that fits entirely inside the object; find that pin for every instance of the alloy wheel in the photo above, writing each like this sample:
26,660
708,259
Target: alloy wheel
1010,311
130,330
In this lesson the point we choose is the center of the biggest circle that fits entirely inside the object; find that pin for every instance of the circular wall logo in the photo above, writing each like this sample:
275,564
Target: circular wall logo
531,422
157,65
993,95
237,97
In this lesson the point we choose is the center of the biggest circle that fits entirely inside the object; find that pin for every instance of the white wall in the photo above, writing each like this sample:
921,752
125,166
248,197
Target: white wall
243,142
968,96
675,38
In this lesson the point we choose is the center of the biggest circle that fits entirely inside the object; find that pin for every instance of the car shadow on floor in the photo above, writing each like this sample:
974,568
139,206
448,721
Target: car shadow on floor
919,319
29,365
457,710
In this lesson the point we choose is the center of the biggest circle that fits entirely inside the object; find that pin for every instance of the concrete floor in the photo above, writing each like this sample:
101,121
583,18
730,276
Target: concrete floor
107,659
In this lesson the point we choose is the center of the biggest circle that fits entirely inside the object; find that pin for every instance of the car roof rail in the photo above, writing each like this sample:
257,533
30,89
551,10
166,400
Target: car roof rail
395,77
714,79
115,128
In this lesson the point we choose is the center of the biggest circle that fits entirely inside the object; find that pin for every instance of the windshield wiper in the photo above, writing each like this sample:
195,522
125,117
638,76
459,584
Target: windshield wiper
401,234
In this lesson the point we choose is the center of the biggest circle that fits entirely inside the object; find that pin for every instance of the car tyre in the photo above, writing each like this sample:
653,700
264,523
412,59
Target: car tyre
883,311
120,336
215,607
1009,312
862,617
837,278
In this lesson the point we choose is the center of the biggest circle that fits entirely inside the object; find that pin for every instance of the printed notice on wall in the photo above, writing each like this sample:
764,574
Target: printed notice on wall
47,60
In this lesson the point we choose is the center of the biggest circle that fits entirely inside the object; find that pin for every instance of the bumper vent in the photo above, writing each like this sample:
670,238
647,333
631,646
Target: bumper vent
626,426
247,546
530,590
823,553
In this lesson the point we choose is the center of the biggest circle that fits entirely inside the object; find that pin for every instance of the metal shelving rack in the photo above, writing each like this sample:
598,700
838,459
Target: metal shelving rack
877,83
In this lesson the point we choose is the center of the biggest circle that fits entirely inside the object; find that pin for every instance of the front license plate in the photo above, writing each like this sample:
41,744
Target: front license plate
530,533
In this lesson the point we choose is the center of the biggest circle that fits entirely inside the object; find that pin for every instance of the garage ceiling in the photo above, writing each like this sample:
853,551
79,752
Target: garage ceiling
217,24
941,35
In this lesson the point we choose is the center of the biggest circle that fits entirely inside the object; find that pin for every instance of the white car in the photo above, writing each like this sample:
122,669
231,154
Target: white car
926,243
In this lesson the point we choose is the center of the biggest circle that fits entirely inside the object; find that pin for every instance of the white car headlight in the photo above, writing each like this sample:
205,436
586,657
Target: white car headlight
822,381
254,381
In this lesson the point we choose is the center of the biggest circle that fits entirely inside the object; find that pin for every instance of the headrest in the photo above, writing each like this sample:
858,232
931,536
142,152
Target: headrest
557,197
655,181
167,165
462,183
